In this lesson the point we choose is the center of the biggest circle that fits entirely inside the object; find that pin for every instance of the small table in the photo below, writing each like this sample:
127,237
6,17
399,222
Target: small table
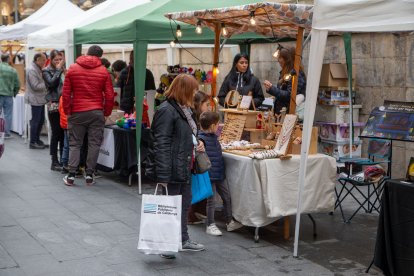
394,249
119,151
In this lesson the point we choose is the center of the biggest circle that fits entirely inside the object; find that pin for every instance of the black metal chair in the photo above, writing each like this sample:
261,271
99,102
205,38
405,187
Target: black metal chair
379,151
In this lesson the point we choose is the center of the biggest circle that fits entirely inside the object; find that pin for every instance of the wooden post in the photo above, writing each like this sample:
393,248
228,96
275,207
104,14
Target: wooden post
296,66
217,31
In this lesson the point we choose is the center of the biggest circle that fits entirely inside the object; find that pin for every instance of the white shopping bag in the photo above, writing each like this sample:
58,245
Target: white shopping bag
160,229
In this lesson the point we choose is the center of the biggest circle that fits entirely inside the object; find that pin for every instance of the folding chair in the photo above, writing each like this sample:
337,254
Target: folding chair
379,151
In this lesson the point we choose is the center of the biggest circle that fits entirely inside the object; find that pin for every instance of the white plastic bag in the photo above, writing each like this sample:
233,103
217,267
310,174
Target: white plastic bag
2,133
160,228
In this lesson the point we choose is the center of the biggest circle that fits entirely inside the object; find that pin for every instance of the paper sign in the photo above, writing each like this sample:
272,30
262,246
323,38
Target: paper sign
246,102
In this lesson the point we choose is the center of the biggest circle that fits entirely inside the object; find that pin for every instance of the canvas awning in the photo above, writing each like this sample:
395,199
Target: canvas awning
270,19
51,13
61,35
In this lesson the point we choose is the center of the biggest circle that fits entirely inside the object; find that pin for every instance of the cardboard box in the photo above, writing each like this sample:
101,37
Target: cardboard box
338,114
328,147
338,132
336,75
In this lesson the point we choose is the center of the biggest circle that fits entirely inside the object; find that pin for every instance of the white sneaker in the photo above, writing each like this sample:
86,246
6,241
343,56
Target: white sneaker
233,225
213,230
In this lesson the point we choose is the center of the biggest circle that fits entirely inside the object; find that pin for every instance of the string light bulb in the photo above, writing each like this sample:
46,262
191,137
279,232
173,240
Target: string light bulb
216,70
277,52
252,19
178,32
173,42
223,30
199,29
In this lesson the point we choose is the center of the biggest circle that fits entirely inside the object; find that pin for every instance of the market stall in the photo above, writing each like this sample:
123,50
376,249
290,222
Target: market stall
146,24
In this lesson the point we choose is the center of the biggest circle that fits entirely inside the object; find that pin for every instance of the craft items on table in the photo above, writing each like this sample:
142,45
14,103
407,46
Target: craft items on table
240,145
127,122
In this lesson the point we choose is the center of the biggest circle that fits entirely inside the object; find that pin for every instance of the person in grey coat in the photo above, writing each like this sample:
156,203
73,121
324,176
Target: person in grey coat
35,96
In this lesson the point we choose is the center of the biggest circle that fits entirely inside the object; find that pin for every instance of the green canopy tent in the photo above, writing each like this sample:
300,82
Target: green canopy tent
147,24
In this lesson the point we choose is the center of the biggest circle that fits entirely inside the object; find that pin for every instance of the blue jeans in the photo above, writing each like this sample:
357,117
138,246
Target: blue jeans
65,153
36,123
6,104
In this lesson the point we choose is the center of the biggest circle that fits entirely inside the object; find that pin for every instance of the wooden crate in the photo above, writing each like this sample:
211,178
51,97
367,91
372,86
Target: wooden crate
251,116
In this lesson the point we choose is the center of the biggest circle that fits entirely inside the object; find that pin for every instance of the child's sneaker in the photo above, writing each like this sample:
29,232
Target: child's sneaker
89,179
189,245
213,230
69,179
233,225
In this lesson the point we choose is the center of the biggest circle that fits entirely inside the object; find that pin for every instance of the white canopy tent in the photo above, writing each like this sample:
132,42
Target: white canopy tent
343,16
61,35
51,13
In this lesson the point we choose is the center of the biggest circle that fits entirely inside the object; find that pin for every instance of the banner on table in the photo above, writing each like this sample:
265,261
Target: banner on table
107,151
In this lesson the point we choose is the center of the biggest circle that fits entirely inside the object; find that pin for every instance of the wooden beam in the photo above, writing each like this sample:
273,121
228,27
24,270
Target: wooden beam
296,66
217,31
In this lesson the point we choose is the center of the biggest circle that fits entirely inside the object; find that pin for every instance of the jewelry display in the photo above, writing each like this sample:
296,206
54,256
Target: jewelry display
285,134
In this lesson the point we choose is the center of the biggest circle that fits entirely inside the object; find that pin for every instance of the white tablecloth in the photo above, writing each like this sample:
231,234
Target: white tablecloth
264,190
18,114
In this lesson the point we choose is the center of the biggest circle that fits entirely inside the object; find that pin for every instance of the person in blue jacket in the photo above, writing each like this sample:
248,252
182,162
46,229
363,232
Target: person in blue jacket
209,123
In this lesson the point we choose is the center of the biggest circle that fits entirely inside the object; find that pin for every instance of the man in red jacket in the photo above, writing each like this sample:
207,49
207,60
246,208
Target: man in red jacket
88,97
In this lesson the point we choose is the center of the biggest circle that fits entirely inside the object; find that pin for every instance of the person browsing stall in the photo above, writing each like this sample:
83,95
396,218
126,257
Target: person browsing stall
209,122
283,89
240,78
172,151
53,76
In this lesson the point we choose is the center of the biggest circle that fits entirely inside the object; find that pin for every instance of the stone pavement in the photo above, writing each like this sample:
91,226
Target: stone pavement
47,228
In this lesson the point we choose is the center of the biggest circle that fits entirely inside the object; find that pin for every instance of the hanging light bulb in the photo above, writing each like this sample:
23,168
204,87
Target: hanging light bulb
178,32
172,43
252,19
277,52
223,29
199,29
216,70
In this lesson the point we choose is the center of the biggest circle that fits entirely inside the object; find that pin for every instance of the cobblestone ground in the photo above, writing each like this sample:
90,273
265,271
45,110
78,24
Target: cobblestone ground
47,228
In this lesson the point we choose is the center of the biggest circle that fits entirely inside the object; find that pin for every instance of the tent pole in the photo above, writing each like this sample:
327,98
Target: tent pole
348,56
317,49
296,66
217,31
140,65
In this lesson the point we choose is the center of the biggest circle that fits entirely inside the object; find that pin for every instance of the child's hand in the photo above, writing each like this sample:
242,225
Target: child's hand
200,147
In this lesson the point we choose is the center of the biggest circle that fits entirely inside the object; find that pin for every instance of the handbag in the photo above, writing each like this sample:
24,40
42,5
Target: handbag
200,187
202,162
160,227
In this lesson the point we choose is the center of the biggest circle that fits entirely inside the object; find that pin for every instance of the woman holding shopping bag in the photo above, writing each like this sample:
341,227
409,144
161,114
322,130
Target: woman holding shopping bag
174,133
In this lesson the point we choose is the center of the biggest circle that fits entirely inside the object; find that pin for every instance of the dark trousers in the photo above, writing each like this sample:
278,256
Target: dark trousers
223,190
89,123
57,135
185,191
36,123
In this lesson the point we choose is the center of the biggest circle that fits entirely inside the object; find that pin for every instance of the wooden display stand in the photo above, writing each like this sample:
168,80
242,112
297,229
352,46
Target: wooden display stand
295,148
250,119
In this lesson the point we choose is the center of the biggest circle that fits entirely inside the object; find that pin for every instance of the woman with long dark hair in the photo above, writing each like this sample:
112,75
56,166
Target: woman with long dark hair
53,76
240,78
282,90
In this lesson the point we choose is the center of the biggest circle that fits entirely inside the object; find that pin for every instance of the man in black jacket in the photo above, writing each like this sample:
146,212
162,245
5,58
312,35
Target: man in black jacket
127,85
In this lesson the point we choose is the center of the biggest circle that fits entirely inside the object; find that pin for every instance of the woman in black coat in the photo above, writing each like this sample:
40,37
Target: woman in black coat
53,77
241,79
173,147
